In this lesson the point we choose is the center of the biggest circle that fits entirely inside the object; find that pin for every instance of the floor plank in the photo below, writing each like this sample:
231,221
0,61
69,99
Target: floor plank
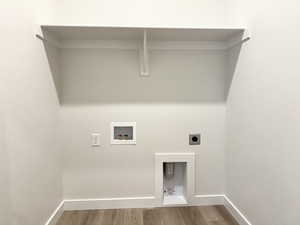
191,215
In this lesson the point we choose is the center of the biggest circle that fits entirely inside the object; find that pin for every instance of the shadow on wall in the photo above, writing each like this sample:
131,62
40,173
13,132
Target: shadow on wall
232,60
53,55
105,76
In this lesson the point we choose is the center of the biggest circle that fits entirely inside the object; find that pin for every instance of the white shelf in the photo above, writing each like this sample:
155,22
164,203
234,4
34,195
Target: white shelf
134,33
143,40
130,37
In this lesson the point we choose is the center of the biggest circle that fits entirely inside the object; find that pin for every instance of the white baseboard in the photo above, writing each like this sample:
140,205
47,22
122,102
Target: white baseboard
235,212
134,202
109,203
142,202
56,214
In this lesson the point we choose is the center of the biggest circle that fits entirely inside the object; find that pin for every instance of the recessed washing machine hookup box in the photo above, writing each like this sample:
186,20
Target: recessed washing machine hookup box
174,178
123,133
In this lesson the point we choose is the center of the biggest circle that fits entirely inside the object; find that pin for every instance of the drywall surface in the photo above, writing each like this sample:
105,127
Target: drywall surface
99,76
5,204
30,163
184,94
5,207
262,112
188,13
126,171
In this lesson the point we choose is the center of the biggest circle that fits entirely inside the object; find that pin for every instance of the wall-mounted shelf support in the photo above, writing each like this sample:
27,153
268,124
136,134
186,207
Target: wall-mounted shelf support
144,63
231,45
239,40
53,44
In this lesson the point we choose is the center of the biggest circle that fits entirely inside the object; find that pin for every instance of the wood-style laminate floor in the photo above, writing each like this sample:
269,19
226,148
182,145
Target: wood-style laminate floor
192,215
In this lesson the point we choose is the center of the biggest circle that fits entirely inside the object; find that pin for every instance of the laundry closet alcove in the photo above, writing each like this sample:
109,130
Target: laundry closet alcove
170,82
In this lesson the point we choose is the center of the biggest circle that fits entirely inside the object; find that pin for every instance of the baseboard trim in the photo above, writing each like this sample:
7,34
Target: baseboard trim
109,203
134,202
56,214
235,212
141,202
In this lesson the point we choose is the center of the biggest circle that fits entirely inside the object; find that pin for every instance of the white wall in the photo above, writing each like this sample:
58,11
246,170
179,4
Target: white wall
30,112
263,157
184,94
5,203
5,206
262,108
186,13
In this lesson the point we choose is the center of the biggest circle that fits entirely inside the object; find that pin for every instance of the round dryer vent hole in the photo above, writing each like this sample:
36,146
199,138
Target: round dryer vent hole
194,139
